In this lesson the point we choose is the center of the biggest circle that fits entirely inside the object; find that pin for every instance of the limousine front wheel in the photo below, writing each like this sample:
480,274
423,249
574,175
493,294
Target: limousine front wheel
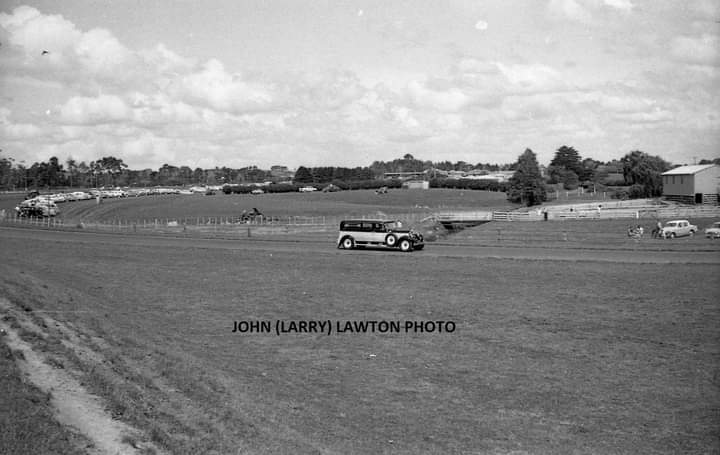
348,243
406,245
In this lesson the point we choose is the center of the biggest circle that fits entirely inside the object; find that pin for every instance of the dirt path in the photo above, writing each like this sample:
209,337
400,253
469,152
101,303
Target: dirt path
73,405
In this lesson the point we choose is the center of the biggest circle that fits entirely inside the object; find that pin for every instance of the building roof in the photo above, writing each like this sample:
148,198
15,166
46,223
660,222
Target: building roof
686,170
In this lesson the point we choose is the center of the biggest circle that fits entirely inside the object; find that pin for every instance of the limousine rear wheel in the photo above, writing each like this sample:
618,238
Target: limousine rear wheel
406,245
390,240
348,243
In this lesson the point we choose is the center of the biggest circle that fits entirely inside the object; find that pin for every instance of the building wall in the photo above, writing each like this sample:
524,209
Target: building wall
678,185
684,187
707,181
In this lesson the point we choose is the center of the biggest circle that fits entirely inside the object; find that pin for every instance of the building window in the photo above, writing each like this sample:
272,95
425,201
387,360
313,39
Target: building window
681,180
673,179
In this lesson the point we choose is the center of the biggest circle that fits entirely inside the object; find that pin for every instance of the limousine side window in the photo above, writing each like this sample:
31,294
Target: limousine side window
356,227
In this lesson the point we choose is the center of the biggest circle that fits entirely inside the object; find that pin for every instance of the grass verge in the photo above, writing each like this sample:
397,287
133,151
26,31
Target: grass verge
26,415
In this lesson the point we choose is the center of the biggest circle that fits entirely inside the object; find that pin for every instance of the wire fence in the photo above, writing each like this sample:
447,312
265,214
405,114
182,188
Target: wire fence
238,226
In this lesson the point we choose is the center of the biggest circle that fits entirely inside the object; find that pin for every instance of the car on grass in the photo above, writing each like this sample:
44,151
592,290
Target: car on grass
37,207
677,228
713,232
381,233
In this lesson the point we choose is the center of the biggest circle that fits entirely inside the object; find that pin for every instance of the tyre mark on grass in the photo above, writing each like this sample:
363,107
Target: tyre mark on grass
74,405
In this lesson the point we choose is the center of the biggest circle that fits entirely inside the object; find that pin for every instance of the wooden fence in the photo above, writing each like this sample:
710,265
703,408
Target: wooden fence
235,226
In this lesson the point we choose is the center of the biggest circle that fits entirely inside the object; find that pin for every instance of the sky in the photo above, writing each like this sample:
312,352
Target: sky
345,83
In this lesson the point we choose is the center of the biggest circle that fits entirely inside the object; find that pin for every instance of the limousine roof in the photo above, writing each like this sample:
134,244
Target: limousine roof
366,220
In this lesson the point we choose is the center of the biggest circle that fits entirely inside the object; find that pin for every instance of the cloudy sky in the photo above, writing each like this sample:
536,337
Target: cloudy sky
344,83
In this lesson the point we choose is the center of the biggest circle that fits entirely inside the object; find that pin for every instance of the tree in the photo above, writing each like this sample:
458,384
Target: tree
566,159
706,161
526,184
589,166
303,175
72,169
6,173
569,179
644,170
108,165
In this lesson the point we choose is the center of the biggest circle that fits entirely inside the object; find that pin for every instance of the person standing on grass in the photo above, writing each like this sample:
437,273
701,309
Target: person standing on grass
658,229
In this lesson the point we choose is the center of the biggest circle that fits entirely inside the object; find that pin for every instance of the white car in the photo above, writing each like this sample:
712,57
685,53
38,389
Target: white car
677,228
713,232
307,189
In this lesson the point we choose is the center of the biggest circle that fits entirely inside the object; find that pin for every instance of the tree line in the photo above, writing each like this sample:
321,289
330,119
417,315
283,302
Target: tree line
111,171
639,174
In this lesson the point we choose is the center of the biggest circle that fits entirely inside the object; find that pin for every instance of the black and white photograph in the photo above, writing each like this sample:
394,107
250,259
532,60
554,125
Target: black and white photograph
240,227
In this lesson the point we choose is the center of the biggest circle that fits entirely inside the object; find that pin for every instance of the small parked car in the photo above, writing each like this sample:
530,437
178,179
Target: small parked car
384,233
37,207
677,228
713,232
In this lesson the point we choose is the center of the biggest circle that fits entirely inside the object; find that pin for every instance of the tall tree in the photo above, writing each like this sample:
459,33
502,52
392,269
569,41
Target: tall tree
566,167
645,171
72,169
303,175
527,185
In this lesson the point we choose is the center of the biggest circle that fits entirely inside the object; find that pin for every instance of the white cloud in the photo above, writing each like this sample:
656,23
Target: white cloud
35,32
404,118
165,61
451,99
625,5
571,9
655,116
702,50
216,88
20,130
532,78
92,111
99,50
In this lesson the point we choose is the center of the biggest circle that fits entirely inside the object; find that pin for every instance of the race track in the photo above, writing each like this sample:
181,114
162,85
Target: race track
446,248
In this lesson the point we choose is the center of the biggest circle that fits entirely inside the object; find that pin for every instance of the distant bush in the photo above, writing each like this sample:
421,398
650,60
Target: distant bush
341,184
637,192
570,180
371,184
470,184
614,179
281,188
621,194
237,189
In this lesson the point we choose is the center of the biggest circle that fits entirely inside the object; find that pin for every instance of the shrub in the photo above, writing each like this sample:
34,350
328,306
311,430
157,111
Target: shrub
281,188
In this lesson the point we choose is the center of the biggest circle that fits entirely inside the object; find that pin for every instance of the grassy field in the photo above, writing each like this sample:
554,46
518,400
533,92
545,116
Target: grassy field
547,356
26,417
349,203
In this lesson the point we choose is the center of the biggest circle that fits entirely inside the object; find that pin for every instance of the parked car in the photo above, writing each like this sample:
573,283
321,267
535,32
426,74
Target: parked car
390,234
37,207
678,228
713,232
